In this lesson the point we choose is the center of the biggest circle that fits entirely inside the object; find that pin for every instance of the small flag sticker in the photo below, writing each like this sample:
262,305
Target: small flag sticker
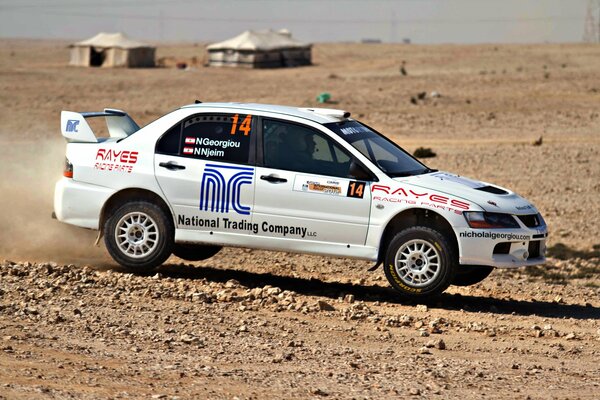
188,150
190,140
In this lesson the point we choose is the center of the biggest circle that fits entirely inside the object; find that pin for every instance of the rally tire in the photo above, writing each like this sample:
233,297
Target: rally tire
419,262
195,252
467,275
139,235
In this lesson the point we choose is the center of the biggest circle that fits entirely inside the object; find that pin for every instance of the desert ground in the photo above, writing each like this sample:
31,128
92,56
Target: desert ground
254,324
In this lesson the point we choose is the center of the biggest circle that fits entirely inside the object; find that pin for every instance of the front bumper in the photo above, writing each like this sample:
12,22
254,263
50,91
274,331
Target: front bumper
502,248
78,203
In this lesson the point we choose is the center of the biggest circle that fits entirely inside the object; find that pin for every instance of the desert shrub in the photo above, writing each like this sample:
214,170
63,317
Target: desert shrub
424,152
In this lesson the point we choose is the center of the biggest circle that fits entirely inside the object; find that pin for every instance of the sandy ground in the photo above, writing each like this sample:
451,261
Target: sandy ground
252,324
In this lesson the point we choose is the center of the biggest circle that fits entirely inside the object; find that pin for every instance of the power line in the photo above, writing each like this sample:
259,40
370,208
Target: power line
591,31
312,20
144,3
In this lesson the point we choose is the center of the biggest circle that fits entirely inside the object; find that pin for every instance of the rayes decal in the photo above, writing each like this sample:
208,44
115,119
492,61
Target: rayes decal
116,160
72,125
244,226
221,187
330,187
408,196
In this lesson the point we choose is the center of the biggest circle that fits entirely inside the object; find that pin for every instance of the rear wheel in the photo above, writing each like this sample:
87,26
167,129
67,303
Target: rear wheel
139,235
467,275
419,262
195,252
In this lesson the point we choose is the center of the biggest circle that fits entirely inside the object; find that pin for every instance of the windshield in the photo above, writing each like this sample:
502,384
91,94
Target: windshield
384,153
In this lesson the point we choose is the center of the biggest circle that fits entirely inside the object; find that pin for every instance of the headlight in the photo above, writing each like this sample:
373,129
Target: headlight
488,220
541,219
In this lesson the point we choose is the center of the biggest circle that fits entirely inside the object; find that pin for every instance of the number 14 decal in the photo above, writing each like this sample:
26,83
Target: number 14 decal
245,126
356,189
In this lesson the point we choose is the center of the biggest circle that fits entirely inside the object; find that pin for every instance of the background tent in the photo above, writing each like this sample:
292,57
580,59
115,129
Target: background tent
112,50
260,49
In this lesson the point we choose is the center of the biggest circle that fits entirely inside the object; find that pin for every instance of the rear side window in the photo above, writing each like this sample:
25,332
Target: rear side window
217,137
169,143
210,137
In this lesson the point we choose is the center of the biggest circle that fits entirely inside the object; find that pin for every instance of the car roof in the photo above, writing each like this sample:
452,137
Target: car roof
319,115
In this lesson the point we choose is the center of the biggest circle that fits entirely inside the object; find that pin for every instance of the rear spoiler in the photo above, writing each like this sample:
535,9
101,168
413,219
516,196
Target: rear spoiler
75,128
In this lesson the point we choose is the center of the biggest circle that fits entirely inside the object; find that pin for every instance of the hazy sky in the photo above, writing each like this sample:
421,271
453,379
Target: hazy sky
423,21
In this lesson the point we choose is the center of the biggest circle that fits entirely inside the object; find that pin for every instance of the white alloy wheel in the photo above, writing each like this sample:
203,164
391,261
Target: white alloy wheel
417,263
136,234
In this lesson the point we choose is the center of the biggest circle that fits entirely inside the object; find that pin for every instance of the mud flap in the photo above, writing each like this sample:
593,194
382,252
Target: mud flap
374,267
97,243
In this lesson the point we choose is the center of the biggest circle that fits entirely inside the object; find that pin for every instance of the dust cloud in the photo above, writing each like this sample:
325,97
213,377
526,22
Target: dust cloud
28,173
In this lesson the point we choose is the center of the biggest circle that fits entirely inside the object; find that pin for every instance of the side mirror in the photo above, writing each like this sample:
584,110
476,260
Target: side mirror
356,171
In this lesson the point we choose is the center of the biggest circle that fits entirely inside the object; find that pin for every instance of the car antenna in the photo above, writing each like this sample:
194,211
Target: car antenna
197,101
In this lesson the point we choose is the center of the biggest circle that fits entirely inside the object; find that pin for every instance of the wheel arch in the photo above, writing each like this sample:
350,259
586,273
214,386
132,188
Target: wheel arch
131,194
417,217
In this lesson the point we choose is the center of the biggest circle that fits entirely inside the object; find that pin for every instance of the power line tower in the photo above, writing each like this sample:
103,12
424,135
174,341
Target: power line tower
591,32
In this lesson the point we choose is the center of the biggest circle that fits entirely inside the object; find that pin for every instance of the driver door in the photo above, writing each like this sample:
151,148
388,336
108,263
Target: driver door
303,189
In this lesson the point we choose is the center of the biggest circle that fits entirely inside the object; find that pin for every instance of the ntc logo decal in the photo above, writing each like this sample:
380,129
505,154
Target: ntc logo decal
72,125
218,193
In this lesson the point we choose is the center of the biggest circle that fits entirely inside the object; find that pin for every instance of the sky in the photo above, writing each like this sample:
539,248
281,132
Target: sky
420,21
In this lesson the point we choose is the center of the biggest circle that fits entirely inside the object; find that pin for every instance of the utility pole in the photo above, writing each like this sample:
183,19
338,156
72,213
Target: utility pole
161,25
393,26
591,29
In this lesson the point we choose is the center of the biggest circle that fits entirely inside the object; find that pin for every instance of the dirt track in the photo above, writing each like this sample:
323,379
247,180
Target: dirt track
253,324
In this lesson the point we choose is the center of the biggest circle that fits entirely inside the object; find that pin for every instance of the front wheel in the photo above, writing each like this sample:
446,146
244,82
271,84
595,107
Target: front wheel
419,262
139,235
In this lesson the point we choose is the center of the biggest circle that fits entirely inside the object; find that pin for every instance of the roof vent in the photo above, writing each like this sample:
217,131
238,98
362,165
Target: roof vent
329,112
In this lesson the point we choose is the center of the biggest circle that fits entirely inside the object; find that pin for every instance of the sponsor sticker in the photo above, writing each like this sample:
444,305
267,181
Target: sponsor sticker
115,160
328,186
210,148
353,130
389,194
221,188
319,187
311,184
72,125
525,207
244,226
494,235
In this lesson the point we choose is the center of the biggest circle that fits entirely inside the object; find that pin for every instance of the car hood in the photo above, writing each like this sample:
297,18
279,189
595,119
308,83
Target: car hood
489,197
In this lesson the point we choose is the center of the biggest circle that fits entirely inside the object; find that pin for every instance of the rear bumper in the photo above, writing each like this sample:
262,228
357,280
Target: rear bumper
78,203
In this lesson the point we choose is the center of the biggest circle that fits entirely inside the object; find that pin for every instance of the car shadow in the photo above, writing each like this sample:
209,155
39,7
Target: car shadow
564,252
373,293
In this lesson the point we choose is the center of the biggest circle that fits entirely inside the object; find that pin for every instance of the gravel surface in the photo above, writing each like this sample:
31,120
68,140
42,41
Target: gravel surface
206,331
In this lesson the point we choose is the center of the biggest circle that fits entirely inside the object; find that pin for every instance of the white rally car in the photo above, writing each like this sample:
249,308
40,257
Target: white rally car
282,178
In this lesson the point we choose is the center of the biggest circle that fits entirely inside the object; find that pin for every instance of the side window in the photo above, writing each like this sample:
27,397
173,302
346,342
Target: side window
217,138
169,142
298,148
374,151
382,154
